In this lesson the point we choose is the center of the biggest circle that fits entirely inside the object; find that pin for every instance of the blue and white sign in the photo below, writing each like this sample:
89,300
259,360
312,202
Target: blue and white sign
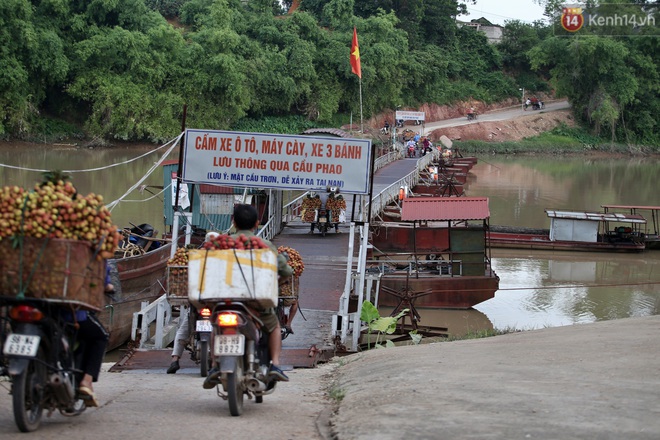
279,161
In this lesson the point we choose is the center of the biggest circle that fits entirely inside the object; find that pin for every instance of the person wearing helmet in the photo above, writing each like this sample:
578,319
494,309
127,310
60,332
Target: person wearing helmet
324,198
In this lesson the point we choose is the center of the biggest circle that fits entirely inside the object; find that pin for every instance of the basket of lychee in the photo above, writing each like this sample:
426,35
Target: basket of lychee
289,287
295,260
55,210
177,275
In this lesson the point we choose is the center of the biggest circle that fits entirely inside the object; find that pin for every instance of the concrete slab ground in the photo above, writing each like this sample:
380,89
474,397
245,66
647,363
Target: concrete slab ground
591,381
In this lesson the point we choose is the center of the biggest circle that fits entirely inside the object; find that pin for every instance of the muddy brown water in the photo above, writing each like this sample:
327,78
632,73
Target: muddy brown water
538,289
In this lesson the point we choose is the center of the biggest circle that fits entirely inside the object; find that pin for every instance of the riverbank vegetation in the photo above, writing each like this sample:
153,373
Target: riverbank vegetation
561,140
125,69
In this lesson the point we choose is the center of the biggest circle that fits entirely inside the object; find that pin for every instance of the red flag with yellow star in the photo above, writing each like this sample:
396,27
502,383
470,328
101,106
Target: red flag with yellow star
355,56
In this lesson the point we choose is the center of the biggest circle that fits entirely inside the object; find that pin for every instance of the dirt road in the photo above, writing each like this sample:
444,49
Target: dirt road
509,124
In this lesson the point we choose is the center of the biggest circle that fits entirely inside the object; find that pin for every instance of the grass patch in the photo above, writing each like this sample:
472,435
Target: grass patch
487,333
337,394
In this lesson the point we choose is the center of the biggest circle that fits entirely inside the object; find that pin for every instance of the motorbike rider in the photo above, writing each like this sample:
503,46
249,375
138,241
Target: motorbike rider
246,221
94,341
324,198
183,332
386,127
180,341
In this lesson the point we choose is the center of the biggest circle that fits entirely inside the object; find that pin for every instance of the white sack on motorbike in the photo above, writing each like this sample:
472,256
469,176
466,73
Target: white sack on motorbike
232,274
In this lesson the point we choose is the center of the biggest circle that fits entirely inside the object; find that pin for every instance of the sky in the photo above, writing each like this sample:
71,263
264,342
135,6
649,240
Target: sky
497,11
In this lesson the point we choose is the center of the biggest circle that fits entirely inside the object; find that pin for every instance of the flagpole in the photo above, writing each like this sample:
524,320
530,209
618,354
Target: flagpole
357,69
361,126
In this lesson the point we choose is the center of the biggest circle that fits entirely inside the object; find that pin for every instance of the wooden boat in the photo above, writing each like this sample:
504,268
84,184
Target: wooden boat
650,234
138,274
435,256
574,231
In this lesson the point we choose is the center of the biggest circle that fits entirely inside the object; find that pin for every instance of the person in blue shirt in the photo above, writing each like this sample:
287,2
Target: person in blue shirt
93,338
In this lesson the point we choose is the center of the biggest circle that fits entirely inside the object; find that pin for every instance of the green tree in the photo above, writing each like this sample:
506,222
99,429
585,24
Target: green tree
595,74
16,45
517,39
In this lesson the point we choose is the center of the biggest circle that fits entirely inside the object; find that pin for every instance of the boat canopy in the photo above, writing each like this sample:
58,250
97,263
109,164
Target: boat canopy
596,216
444,208
633,207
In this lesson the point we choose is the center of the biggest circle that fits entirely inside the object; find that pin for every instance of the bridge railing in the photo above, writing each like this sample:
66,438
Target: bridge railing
292,211
391,193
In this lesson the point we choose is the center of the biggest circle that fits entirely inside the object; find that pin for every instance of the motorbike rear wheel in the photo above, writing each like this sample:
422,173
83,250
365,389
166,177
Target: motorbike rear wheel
235,389
204,358
27,394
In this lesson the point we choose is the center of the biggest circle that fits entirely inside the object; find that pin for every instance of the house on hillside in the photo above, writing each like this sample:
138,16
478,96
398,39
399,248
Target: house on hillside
493,31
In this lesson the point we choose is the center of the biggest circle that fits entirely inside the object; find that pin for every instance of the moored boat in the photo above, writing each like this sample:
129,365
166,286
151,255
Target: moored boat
574,231
138,273
435,256
650,232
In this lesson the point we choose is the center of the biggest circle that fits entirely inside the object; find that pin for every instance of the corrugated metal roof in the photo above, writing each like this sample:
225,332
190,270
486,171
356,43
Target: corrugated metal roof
444,208
641,207
596,216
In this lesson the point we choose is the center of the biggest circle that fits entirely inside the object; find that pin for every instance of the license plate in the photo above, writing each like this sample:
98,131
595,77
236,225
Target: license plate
229,345
203,325
21,345
323,220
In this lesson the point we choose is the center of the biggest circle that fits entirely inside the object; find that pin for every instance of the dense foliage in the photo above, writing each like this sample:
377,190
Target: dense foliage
124,69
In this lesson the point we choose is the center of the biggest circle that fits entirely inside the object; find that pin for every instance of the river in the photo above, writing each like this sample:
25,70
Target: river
547,289
539,289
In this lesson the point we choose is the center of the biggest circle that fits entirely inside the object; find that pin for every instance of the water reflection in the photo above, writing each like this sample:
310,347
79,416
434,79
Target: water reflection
456,322
547,289
520,188
116,170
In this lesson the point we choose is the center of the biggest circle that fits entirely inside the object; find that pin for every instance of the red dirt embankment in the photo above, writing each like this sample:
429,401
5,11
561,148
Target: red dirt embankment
508,130
529,124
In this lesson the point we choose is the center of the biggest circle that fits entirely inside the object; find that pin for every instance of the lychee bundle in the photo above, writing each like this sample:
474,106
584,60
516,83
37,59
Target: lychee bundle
295,260
335,205
309,205
55,210
180,258
177,273
224,241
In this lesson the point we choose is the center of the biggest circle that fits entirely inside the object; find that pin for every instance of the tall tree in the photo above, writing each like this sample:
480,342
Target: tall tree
594,73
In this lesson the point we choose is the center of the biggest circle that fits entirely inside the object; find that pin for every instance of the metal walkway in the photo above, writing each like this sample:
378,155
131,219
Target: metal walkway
324,287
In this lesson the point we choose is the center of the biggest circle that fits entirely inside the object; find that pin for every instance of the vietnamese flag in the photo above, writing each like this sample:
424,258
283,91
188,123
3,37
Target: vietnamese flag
355,56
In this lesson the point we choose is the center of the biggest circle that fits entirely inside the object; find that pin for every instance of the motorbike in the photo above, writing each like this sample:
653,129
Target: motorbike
200,339
240,351
38,351
323,221
412,151
471,116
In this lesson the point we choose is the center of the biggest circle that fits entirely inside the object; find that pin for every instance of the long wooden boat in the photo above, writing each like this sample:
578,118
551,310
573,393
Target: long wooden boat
138,274
650,234
434,255
574,231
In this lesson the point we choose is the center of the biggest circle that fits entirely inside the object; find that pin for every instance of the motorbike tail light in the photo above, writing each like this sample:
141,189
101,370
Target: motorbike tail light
25,313
205,313
227,320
